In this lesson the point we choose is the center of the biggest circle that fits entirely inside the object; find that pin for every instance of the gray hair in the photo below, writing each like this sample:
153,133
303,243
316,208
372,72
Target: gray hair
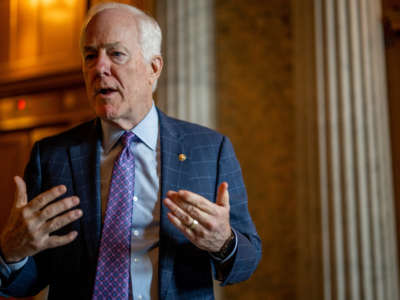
150,36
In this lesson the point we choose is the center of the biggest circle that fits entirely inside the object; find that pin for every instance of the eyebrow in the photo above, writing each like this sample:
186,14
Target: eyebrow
106,46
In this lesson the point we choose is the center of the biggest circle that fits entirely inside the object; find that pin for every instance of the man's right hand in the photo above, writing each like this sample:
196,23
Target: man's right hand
29,225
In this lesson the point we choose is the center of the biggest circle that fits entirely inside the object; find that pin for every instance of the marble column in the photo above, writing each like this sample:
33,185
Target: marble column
346,212
186,89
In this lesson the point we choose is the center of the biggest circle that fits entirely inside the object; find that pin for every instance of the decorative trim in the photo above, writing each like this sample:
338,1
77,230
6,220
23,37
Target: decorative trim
48,82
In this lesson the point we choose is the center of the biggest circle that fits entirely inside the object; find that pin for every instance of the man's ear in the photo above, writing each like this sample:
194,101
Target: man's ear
156,64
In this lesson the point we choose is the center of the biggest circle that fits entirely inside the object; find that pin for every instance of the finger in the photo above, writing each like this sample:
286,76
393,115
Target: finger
45,198
195,213
223,195
189,233
190,199
186,215
21,198
177,211
58,207
61,240
170,192
172,195
62,221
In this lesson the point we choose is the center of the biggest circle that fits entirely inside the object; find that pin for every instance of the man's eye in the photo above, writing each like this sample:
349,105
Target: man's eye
89,57
117,54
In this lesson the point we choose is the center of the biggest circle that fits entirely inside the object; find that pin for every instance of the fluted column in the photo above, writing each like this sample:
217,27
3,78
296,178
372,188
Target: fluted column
346,212
186,89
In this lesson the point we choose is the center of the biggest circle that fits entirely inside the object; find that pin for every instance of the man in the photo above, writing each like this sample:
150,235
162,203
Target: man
184,227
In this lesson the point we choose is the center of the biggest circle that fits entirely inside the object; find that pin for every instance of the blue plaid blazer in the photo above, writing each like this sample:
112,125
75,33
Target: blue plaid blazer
185,272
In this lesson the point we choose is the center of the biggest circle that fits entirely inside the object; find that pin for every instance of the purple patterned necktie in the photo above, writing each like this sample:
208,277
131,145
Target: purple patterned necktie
113,265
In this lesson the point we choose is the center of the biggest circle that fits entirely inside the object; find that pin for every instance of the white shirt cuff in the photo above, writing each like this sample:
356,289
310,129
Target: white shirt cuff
7,269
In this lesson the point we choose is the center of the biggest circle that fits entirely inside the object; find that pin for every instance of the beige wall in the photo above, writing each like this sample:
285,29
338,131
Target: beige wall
255,108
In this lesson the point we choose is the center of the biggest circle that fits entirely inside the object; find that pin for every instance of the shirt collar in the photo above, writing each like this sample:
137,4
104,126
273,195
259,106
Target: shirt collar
146,130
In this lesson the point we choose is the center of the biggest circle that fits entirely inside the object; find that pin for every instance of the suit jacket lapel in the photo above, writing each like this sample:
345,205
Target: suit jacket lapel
171,172
85,161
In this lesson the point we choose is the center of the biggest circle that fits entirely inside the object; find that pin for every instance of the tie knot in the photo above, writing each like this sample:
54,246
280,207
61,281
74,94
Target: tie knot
127,138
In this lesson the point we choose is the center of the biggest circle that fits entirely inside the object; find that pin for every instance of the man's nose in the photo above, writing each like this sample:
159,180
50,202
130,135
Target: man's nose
103,64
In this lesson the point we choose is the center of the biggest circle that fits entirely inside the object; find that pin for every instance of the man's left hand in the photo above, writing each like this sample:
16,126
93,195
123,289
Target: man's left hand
204,223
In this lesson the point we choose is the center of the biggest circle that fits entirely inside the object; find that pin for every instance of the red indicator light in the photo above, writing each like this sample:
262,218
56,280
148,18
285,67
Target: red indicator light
21,104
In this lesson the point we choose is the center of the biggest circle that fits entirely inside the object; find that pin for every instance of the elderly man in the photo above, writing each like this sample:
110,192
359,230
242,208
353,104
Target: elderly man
134,204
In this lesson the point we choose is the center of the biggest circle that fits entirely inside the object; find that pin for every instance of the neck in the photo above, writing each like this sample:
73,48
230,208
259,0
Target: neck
128,123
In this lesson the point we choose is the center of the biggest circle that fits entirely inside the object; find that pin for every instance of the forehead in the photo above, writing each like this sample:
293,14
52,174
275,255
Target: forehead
111,26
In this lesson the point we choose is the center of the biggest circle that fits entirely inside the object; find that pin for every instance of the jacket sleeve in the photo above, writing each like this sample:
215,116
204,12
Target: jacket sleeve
248,251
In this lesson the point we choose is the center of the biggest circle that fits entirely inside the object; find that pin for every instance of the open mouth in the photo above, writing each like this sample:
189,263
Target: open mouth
105,91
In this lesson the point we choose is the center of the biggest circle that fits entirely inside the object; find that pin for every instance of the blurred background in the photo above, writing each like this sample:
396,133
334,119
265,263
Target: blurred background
305,89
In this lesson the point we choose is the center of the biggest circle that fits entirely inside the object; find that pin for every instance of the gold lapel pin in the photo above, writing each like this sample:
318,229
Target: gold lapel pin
182,157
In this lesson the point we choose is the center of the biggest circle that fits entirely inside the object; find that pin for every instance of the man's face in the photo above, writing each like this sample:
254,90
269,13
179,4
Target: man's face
118,80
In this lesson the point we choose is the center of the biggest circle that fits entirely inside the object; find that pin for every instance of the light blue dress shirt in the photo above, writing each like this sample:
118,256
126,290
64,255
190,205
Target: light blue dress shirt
146,203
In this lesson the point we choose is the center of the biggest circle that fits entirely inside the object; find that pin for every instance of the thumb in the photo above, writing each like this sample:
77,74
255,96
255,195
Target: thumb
21,198
223,195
